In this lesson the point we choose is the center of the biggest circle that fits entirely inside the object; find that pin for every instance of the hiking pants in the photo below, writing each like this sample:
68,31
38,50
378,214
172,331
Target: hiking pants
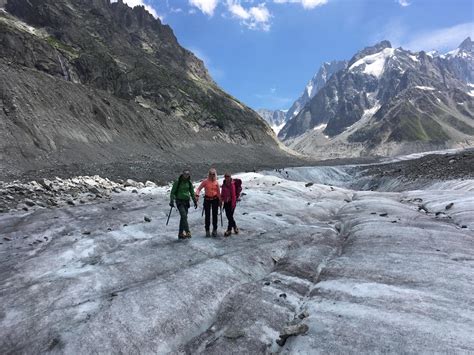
183,206
229,212
208,205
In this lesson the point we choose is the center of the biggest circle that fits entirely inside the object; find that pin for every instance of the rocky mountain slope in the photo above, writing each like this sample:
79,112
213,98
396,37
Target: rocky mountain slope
389,101
93,87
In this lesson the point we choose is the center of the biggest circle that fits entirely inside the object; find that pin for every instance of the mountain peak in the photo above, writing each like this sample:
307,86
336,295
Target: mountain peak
466,45
378,47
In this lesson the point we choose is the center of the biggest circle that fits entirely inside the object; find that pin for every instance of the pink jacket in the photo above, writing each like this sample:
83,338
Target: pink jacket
228,193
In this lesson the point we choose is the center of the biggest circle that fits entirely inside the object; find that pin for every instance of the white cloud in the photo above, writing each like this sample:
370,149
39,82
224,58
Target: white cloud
238,11
133,3
440,39
206,6
307,4
404,3
254,17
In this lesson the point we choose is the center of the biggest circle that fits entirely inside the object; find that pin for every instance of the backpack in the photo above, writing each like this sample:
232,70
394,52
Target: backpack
238,187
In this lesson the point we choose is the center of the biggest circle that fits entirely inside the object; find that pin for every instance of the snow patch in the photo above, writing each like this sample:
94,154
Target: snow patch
374,63
278,128
470,92
309,88
427,88
371,111
320,127
366,116
413,57
452,53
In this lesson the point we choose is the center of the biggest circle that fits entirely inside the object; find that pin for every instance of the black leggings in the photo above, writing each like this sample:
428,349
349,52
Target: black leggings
229,212
208,204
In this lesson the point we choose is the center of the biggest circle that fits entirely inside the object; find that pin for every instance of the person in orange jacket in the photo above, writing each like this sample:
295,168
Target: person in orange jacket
212,200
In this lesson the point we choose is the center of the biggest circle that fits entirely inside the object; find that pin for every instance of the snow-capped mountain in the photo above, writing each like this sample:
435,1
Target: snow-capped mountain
389,101
314,85
461,61
275,118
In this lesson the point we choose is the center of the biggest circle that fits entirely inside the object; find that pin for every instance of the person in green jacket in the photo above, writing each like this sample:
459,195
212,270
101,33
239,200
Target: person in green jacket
181,192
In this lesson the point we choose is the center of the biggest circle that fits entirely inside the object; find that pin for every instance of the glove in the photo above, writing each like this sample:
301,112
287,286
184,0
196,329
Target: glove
195,204
171,203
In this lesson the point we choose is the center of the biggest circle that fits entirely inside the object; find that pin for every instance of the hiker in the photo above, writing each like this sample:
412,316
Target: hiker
230,194
182,191
212,200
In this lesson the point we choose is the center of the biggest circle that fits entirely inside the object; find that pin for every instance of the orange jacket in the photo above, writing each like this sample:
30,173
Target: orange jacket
211,189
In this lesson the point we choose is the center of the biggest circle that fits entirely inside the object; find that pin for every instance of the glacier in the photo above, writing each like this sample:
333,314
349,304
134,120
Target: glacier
365,271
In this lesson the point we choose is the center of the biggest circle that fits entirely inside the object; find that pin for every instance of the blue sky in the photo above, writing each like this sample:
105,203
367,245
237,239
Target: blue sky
263,52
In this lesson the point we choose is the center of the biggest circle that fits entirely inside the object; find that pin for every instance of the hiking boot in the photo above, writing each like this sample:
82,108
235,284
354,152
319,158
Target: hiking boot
181,236
227,233
214,233
188,235
208,234
236,230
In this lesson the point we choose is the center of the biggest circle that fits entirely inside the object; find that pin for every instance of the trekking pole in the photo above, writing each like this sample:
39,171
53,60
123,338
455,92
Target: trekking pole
222,223
169,215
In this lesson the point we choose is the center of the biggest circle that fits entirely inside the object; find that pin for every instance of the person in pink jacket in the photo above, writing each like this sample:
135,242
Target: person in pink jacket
212,200
229,198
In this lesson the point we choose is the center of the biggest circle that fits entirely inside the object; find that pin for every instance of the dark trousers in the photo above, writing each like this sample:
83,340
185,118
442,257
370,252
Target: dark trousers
229,212
208,205
183,207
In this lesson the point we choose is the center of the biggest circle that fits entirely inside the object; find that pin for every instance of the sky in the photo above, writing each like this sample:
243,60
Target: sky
263,52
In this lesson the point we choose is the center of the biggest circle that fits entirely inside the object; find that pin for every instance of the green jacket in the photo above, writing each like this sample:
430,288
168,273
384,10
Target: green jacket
185,191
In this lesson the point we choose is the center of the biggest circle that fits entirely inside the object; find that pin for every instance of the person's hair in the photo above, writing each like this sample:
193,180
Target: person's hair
212,171
227,174
185,172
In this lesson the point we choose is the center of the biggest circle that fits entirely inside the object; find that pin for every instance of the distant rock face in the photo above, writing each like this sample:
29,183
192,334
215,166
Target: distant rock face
275,118
461,61
95,82
314,85
389,101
